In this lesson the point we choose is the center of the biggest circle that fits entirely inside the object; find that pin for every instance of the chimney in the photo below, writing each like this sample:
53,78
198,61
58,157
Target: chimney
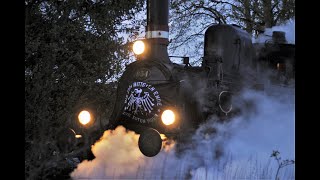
279,37
157,30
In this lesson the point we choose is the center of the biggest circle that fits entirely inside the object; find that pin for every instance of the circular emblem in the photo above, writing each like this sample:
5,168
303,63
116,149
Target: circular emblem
142,74
142,102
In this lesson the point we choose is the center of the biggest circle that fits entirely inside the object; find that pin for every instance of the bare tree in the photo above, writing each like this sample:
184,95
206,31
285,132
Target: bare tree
251,14
189,19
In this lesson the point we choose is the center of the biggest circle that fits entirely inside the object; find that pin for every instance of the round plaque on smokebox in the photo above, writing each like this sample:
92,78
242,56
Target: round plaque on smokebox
150,142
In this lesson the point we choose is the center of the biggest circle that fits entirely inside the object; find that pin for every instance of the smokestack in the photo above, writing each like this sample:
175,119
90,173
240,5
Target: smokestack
279,37
157,31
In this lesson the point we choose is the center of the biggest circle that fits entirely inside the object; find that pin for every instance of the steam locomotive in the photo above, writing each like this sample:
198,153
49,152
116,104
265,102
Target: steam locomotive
156,96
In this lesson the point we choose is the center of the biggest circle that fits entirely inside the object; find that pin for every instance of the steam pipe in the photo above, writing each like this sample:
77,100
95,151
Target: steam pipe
157,30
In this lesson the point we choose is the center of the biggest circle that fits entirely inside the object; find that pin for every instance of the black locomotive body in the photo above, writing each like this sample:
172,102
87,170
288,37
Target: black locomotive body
151,85
154,84
156,96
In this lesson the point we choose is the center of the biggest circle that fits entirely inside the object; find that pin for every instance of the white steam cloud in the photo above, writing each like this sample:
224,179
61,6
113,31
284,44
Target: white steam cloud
288,27
240,148
117,154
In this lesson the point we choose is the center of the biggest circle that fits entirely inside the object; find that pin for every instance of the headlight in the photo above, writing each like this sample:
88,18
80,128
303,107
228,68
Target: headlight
84,117
138,47
168,117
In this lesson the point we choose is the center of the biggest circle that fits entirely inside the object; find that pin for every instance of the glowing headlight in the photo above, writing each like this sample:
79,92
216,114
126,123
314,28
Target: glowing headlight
84,117
138,47
167,117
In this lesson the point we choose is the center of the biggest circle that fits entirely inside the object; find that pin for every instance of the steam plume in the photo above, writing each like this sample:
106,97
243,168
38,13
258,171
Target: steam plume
288,27
240,148
117,154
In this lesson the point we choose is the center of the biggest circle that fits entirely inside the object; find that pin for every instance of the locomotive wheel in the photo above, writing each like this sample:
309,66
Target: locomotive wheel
150,142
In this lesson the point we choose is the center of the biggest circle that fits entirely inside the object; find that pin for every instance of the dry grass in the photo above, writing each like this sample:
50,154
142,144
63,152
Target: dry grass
252,168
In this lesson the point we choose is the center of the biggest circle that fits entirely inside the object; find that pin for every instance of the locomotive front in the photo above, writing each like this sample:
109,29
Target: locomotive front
147,91
156,96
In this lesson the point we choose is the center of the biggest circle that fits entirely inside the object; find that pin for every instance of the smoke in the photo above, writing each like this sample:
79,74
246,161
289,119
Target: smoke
288,27
239,148
117,154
